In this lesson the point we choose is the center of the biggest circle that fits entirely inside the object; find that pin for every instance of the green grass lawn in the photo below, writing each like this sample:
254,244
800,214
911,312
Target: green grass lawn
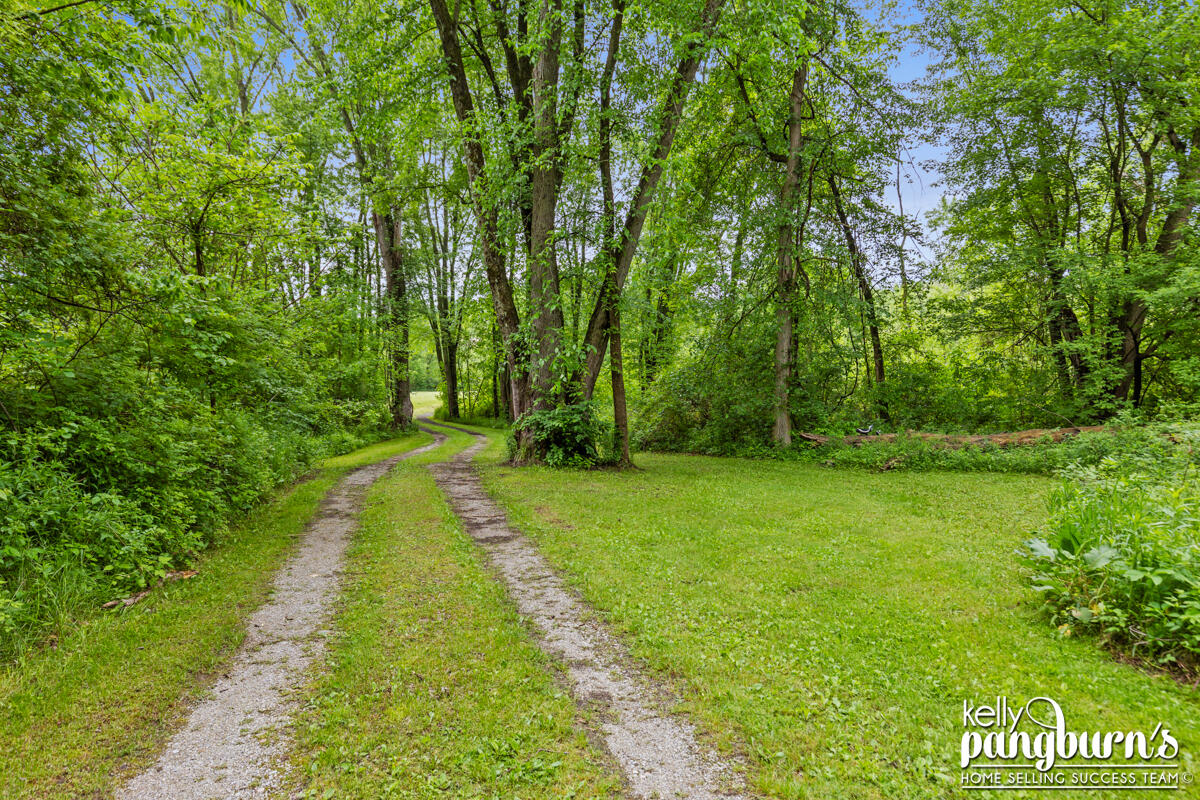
432,687
77,719
828,624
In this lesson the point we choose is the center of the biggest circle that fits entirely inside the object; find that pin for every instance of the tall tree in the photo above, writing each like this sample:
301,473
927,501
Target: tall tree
1082,156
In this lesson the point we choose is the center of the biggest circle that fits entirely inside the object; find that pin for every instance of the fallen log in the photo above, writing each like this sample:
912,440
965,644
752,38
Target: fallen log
955,441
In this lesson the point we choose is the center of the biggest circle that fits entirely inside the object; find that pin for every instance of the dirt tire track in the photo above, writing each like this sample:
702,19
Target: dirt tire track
232,740
658,752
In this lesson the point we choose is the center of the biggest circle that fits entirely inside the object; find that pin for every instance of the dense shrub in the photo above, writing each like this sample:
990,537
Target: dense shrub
716,395
157,375
99,508
914,453
717,403
61,542
1121,554
564,436
127,462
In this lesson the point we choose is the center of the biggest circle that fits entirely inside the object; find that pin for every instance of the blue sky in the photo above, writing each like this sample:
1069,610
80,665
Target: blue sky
918,184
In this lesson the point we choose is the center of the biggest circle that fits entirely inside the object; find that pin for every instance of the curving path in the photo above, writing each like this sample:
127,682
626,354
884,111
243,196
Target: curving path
658,752
232,743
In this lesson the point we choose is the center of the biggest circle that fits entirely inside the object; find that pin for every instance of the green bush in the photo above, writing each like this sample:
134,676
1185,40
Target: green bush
129,460
717,403
1121,554
564,436
94,509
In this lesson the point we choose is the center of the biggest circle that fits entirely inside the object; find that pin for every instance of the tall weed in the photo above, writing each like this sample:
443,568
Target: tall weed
1120,556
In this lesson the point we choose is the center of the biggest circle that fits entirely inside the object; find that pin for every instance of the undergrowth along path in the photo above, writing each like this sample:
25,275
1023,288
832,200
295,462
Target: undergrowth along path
658,752
231,742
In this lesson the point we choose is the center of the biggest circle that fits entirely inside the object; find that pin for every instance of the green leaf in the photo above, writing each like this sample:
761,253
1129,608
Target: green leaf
1100,556
1040,549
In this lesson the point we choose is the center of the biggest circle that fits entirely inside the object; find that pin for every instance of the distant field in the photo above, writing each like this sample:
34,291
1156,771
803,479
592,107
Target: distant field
425,403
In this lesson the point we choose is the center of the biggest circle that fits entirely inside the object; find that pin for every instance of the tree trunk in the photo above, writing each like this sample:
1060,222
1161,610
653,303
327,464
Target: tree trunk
660,320
198,248
1064,330
1129,323
781,433
1134,312
496,412
543,258
735,263
446,345
452,380
620,415
387,233
868,295
785,279
486,214
609,292
506,393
